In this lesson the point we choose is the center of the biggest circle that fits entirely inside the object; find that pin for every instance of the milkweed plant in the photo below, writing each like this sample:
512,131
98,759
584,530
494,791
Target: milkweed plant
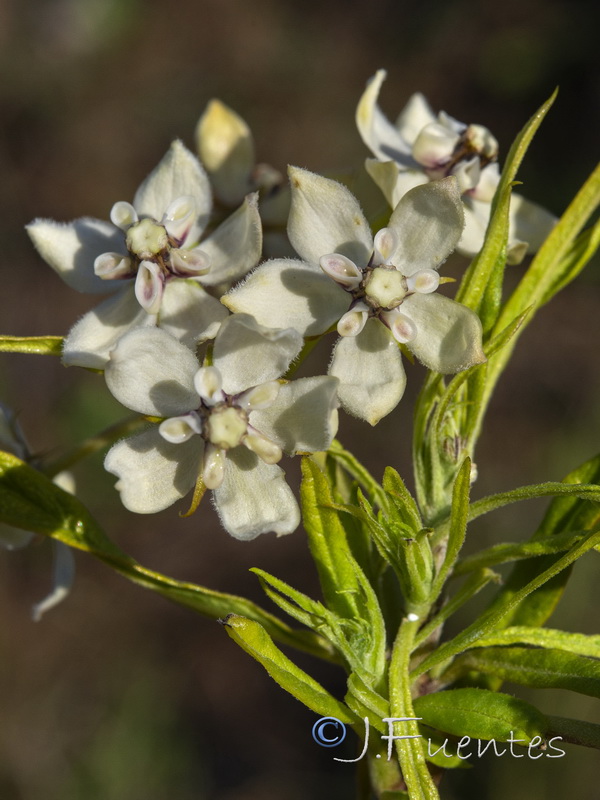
206,309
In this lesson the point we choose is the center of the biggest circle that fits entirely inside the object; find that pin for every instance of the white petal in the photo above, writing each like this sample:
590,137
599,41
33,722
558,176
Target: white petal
188,313
477,216
152,373
247,353
448,336
489,179
226,149
149,286
303,418
434,145
71,249
529,222
369,367
415,115
377,132
178,174
325,217
288,292
254,497
394,181
90,340
153,473
467,174
428,222
63,577
236,245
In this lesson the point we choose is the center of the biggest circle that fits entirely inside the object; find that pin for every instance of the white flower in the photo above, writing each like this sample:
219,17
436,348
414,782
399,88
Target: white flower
379,292
12,440
227,423
423,147
150,254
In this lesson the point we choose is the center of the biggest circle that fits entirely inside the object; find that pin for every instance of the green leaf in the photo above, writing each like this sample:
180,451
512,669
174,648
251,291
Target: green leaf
474,584
481,714
353,466
475,282
36,345
501,553
457,526
579,643
327,541
576,731
566,514
494,501
491,618
254,639
536,667
402,500
366,702
30,500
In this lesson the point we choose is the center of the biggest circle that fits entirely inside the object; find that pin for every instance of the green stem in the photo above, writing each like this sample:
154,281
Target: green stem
411,753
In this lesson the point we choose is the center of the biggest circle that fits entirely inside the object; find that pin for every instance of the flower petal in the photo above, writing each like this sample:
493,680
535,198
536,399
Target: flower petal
236,245
393,181
477,216
226,149
153,473
286,292
188,313
178,174
303,417
377,132
91,339
254,497
152,373
71,249
247,353
529,222
415,115
62,580
325,217
369,367
448,337
428,222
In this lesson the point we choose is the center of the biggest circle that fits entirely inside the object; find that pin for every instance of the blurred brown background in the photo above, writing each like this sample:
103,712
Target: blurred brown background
117,695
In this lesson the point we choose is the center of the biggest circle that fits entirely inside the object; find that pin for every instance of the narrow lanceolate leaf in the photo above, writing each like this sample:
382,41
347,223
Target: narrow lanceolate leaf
457,525
366,702
30,500
254,639
491,618
578,643
476,279
481,714
37,345
353,466
327,542
536,667
399,496
550,489
576,731
502,553
567,513
560,259
474,584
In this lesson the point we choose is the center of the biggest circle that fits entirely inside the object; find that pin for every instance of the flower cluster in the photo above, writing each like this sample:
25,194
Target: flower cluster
198,335
423,147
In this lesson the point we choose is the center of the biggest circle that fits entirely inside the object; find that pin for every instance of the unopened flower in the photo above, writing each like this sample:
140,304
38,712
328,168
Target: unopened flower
423,147
228,423
378,292
12,440
225,146
149,255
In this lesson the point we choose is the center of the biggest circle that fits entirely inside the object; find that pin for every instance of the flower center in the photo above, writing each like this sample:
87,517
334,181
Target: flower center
146,239
385,287
226,426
